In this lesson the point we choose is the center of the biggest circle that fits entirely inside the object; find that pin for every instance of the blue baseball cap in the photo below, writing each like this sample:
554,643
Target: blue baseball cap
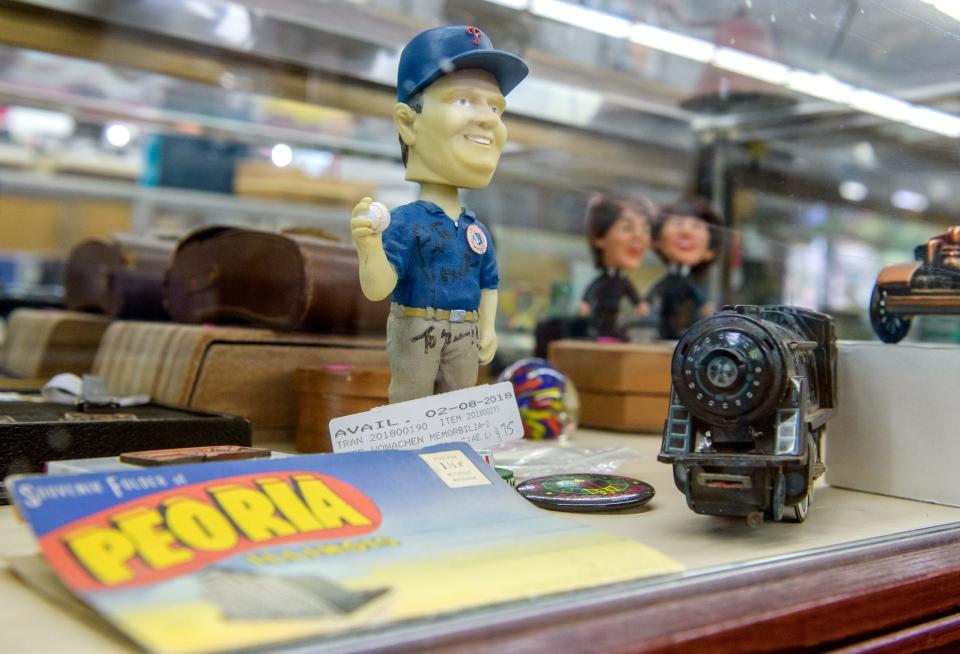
441,50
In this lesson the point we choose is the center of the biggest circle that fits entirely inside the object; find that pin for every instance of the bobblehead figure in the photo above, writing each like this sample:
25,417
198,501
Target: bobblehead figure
619,235
686,235
435,259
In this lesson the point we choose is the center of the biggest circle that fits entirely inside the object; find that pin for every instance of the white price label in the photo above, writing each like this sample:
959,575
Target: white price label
481,416
455,469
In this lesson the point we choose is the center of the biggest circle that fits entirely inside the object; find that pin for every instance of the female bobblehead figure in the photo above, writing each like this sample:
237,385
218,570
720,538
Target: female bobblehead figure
619,235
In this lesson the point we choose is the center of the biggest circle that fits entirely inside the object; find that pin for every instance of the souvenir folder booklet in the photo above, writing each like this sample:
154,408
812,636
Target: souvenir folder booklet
225,556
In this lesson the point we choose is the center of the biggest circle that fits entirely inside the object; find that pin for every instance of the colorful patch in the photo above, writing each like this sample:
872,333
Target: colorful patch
476,239
586,492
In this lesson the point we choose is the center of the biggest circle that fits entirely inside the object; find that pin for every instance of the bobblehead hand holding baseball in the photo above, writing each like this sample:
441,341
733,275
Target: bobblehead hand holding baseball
377,277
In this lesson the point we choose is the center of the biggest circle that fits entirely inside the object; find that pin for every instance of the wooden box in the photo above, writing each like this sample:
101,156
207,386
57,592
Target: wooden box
242,371
331,392
622,386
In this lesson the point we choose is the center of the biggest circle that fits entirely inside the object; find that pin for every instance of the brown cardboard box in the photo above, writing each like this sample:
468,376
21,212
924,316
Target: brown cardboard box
622,386
241,371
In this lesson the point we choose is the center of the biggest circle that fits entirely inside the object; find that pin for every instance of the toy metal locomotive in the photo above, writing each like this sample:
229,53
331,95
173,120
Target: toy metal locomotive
928,285
753,388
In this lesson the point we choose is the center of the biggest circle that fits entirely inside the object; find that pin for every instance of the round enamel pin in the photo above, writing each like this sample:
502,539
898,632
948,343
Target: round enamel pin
476,239
586,492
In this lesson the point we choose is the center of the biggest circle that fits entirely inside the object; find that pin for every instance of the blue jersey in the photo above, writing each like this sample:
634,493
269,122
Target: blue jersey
440,263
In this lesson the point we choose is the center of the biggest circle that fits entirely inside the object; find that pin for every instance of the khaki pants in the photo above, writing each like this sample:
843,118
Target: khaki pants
430,356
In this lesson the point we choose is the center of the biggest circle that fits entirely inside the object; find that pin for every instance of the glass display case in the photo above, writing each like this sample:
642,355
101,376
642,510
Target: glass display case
822,134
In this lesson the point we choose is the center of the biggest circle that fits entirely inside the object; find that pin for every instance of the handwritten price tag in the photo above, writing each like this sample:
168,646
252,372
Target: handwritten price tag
482,416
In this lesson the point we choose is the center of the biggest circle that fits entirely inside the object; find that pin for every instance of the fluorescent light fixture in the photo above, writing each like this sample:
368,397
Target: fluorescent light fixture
579,16
117,135
881,105
234,26
819,85
949,7
27,124
853,191
909,200
750,65
201,8
934,121
673,42
281,155
519,5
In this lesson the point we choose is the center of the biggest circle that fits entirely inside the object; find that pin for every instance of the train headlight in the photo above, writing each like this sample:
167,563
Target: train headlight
722,371
728,373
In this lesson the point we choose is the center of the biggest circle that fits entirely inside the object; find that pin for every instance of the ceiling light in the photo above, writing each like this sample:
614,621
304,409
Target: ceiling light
200,8
281,155
853,191
234,26
672,42
760,68
819,85
26,123
949,7
578,16
909,200
519,5
879,104
117,135
934,121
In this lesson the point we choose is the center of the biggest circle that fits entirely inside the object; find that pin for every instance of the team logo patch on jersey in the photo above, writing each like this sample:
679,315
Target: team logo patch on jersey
476,239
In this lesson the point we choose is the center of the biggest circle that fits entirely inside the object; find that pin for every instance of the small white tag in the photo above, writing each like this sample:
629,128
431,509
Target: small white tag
455,469
482,416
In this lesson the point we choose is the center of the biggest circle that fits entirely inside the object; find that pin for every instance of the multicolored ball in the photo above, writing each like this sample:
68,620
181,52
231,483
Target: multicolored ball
542,395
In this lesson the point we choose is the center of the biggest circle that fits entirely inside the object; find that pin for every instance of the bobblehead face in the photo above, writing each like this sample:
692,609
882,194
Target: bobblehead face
685,240
626,241
457,138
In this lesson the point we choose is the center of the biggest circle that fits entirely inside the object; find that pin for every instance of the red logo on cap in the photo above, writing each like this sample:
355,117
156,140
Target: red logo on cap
475,33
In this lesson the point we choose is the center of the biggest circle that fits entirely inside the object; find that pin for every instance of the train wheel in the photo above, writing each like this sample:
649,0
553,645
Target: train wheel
889,328
777,497
798,512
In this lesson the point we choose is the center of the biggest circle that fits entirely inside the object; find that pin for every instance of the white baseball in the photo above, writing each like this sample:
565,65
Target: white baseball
379,215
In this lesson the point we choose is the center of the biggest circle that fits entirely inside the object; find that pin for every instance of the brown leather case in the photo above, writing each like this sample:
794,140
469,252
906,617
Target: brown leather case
278,281
122,278
238,370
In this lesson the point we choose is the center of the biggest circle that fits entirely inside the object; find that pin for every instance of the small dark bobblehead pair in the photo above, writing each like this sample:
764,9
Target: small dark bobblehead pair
684,234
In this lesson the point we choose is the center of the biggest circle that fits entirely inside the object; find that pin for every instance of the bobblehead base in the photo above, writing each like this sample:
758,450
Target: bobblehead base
622,386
